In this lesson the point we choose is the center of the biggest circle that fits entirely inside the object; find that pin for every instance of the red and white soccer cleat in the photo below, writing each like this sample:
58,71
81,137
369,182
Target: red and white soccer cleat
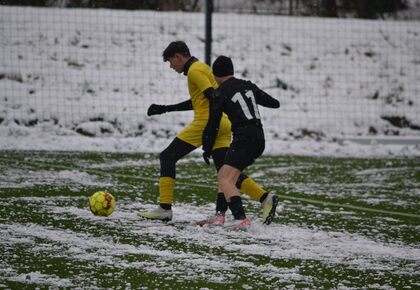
239,225
215,220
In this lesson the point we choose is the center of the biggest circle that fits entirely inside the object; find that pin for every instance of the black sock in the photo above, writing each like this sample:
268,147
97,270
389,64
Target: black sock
221,204
237,208
166,206
263,197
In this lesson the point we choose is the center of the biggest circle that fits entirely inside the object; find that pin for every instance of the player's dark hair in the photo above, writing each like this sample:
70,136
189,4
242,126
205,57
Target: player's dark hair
175,47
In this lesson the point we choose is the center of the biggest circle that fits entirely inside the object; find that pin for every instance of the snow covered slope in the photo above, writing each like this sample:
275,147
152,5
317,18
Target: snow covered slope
72,72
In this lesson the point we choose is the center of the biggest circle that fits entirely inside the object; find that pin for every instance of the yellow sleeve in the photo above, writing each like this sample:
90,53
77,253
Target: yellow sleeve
200,79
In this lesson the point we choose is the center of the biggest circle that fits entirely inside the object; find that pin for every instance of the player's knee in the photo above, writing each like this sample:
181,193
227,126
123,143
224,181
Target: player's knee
221,179
167,157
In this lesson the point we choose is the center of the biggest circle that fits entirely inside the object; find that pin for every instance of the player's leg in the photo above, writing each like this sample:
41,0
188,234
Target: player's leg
240,155
236,160
168,159
218,218
220,148
268,200
227,178
246,185
218,156
222,143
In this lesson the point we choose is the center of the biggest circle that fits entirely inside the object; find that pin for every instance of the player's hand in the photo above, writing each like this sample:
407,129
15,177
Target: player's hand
206,157
156,110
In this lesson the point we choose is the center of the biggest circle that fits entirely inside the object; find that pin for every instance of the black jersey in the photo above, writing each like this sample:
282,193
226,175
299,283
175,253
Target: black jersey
238,99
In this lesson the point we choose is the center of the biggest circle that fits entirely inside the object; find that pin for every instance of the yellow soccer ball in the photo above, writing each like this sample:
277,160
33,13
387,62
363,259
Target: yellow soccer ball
101,203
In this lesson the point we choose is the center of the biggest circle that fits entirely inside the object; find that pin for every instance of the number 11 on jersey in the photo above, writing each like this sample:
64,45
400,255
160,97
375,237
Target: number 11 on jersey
240,98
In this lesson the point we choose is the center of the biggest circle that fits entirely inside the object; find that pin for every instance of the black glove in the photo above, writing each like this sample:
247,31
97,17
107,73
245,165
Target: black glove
156,110
206,157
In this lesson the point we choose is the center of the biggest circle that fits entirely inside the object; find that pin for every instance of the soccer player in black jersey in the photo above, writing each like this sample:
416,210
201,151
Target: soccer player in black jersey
238,99
201,84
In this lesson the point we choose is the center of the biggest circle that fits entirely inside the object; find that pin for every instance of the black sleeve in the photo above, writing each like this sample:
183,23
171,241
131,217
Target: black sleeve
263,98
212,127
208,93
183,106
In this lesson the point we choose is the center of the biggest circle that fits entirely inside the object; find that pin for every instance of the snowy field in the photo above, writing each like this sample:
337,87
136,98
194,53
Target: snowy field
342,224
70,73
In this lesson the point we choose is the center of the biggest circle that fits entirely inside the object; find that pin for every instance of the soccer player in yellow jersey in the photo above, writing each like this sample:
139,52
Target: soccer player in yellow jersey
201,86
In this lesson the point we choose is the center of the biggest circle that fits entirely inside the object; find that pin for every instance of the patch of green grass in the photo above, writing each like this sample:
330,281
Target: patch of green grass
50,239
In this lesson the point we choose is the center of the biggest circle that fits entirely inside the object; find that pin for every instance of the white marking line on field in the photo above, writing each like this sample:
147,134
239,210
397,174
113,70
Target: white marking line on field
287,197
348,206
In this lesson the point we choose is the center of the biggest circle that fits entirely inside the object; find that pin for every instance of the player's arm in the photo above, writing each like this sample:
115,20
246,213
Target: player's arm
212,127
161,109
209,93
263,98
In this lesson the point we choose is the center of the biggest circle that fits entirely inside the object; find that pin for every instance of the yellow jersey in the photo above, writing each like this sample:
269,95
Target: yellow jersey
200,78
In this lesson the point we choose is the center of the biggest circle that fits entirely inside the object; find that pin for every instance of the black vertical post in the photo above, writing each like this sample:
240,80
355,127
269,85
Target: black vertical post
290,7
209,11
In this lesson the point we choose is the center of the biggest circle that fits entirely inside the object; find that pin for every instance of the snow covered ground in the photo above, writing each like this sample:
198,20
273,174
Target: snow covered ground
66,74
344,226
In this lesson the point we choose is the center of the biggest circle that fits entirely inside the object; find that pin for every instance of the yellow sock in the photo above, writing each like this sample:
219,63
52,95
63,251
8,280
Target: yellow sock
251,188
166,189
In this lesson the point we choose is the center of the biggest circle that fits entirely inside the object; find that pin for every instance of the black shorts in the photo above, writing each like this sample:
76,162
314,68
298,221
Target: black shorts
245,148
